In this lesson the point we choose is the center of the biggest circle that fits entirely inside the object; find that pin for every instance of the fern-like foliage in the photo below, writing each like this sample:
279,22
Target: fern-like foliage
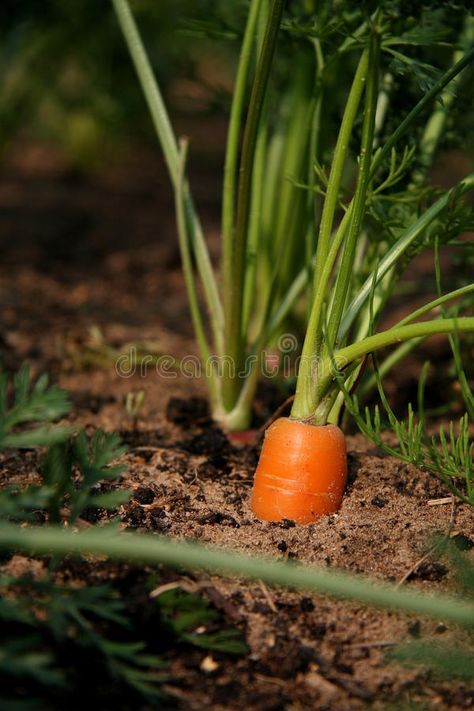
53,636
73,468
449,454
191,618
72,474
23,403
43,623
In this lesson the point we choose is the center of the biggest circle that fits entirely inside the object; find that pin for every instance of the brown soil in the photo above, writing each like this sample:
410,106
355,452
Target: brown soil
79,255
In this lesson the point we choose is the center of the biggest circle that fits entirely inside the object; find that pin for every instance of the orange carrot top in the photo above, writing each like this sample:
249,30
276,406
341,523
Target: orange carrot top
302,472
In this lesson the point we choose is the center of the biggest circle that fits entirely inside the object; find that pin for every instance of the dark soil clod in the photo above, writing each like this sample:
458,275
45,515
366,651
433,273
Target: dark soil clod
215,517
306,604
285,523
211,442
188,411
144,495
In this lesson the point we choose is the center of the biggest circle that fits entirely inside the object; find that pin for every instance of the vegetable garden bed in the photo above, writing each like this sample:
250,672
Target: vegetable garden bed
304,651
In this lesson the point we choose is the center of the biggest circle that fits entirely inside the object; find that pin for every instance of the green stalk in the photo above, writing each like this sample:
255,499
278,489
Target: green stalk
146,549
340,154
344,277
233,144
436,302
234,315
313,208
254,242
169,146
397,334
305,398
255,227
291,202
186,260
326,252
399,248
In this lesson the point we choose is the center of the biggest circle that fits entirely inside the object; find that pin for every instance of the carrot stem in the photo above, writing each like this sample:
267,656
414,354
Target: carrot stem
234,304
398,334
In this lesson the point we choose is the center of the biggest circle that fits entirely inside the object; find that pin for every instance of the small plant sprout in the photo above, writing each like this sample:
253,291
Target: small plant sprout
355,216
133,403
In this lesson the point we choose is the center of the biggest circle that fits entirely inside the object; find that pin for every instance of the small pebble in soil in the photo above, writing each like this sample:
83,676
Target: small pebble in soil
144,495
379,502
39,517
159,519
440,628
282,546
189,477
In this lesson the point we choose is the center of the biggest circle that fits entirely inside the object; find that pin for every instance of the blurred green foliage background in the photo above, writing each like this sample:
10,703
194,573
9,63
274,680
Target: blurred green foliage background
66,76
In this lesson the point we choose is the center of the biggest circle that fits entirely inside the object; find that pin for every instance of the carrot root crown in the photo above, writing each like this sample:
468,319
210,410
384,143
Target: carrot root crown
302,472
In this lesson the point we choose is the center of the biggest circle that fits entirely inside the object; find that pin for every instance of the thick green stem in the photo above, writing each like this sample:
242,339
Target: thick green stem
344,277
254,241
233,144
398,334
157,550
340,154
435,303
234,344
305,398
290,208
326,252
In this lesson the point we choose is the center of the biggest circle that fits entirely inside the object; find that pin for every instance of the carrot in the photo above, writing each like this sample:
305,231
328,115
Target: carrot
302,472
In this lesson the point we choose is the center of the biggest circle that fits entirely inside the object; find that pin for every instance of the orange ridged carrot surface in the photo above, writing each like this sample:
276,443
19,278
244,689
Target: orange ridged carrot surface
302,472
